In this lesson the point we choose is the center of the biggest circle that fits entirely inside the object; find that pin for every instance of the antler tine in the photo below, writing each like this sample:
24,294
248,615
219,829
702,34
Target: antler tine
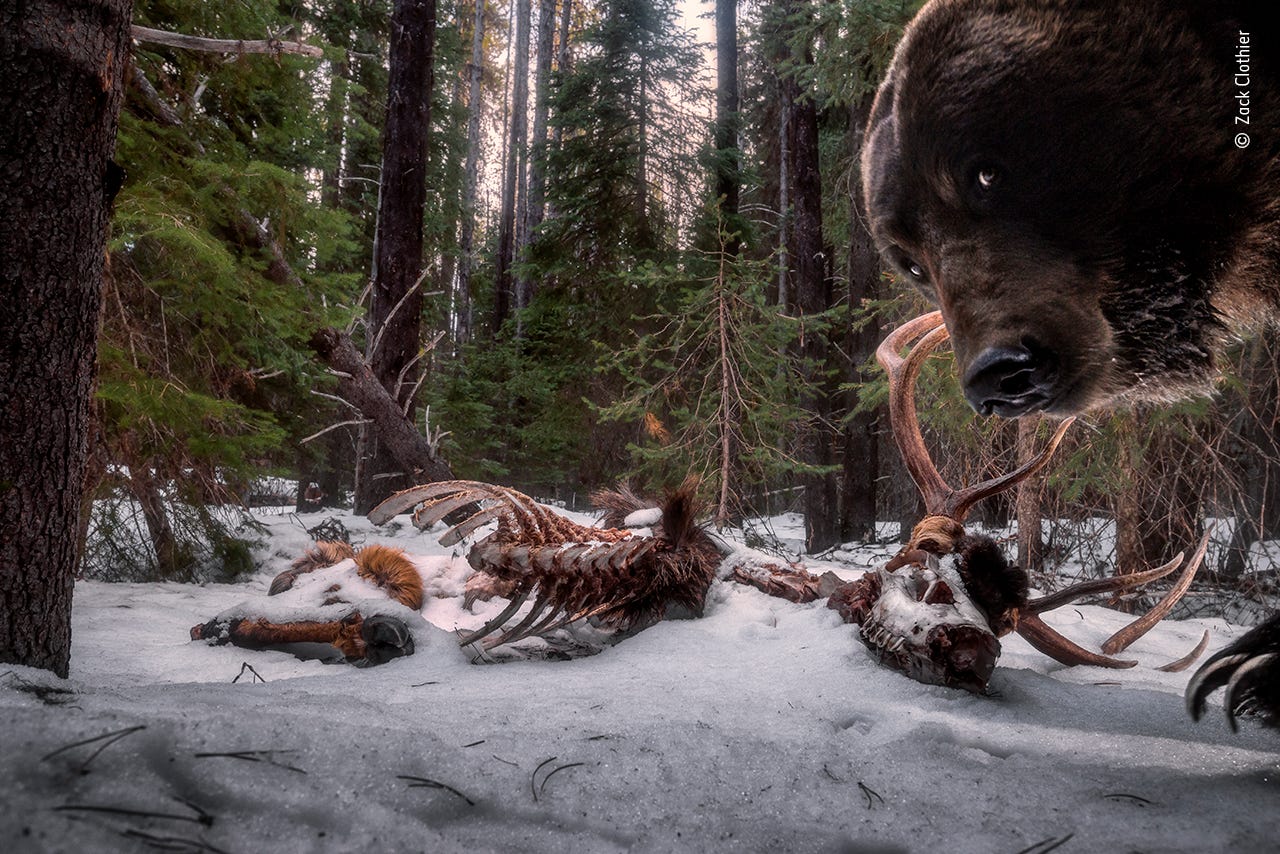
939,498
902,406
1139,627
1038,633
965,499
1067,595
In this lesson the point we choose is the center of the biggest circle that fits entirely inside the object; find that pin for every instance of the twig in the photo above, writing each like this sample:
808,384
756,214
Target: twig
244,665
252,756
504,761
555,771
474,744
335,398
1044,846
424,783
112,738
534,776
377,337
171,843
203,818
355,422
869,793
1121,796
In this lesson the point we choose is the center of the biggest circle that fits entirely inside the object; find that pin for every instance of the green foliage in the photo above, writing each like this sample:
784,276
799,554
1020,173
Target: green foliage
204,369
712,389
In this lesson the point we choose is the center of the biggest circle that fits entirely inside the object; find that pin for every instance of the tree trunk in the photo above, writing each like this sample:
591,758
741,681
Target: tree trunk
411,451
466,251
513,186
1257,428
861,440
1027,502
145,487
395,313
784,196
60,95
727,177
812,297
536,206
562,59
1157,511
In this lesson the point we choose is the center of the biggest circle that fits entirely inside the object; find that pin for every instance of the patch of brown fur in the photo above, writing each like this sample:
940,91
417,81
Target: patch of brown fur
323,554
264,634
388,568
617,504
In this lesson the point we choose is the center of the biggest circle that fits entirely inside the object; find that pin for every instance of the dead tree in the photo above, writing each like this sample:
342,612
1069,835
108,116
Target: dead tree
415,452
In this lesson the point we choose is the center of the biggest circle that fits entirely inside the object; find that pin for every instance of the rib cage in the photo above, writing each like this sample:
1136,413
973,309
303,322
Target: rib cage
570,571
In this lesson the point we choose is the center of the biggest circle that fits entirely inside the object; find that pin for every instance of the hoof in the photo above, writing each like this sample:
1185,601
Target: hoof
385,638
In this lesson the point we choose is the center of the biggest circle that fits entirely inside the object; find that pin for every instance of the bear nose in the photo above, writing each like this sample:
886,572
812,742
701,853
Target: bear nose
1009,381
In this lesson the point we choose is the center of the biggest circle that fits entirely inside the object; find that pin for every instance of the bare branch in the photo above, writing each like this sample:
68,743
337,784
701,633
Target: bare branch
357,422
273,46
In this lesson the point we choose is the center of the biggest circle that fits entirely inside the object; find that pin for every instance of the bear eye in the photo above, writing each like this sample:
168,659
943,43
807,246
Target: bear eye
914,268
987,177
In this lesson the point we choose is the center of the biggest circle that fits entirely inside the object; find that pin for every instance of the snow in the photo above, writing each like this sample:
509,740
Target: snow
763,726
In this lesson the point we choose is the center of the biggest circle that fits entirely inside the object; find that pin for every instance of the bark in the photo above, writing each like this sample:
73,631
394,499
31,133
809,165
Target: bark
146,35
513,185
861,462
784,197
536,208
395,314
563,58
466,239
729,414
145,488
727,177
642,160
411,451
1027,501
60,95
812,296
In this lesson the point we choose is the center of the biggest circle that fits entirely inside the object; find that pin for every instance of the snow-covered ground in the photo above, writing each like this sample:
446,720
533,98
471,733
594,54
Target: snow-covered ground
764,726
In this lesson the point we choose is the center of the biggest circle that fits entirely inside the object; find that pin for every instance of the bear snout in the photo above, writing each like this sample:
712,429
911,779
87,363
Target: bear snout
1011,381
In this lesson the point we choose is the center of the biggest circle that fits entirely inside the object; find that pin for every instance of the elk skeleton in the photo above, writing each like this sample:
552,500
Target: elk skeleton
624,579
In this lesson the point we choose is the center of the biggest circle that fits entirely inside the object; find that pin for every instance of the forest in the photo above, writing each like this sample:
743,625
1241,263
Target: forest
559,246
589,286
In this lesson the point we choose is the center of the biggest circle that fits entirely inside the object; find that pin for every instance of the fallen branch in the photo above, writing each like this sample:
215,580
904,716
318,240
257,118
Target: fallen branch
275,47
415,453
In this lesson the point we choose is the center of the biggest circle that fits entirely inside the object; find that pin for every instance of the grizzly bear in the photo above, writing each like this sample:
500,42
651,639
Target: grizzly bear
1090,191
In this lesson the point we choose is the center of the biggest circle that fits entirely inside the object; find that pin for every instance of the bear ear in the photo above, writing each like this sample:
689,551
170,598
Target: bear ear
879,141
882,107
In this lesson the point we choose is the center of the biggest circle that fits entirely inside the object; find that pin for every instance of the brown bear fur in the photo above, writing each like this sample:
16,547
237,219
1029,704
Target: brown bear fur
1066,174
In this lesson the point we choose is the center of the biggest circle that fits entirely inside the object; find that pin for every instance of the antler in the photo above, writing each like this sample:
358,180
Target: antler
947,507
940,499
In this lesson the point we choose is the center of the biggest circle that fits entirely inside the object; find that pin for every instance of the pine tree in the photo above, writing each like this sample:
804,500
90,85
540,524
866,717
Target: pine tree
395,315
61,94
